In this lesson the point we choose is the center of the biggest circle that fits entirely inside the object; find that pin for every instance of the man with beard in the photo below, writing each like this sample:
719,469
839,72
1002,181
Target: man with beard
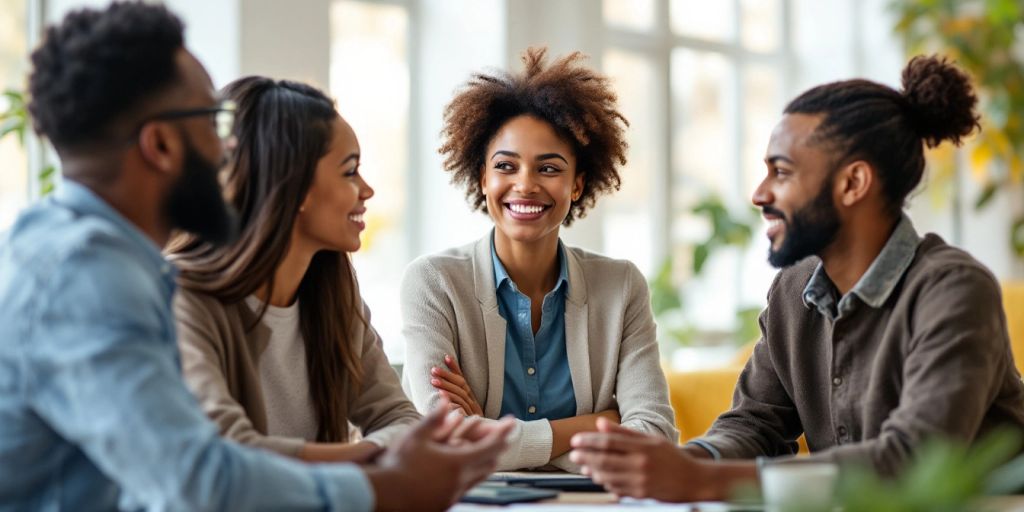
874,339
93,412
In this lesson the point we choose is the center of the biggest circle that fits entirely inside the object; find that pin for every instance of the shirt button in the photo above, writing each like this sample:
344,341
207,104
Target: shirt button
837,381
530,371
531,410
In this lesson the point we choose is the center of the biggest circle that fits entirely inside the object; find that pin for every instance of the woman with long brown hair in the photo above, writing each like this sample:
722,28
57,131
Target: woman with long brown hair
275,340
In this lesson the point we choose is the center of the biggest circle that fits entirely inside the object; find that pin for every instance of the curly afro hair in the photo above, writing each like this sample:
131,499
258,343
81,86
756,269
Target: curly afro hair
577,101
98,65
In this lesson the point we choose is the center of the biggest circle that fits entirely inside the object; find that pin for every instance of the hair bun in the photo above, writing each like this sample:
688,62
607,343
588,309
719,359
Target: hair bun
941,101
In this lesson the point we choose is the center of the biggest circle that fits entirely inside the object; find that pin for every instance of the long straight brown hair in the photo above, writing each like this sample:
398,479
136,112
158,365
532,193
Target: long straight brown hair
283,129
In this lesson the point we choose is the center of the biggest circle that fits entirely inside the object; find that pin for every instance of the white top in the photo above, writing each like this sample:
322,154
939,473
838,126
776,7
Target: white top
283,376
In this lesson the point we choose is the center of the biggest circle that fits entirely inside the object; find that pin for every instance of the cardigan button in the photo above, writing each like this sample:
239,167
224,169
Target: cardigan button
530,371
531,410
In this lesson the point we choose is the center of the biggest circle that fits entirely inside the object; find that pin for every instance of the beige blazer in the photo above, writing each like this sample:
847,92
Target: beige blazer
450,306
220,365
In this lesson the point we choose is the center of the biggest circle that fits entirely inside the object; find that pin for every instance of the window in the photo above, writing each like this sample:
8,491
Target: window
14,182
703,84
369,77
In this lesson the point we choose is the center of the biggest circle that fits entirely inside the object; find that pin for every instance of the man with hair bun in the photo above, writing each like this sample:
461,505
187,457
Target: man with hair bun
874,339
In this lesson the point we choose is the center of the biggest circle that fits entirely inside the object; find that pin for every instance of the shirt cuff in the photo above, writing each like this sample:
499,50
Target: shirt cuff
290,446
529,446
344,487
708,447
386,436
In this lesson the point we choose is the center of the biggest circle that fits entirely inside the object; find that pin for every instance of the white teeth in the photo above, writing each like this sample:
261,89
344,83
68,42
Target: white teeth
522,208
774,222
356,217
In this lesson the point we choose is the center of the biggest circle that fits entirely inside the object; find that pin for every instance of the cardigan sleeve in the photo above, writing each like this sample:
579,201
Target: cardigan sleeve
381,410
201,345
641,390
429,329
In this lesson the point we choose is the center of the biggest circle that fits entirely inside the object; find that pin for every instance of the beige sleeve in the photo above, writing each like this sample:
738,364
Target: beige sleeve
200,344
428,327
641,389
381,411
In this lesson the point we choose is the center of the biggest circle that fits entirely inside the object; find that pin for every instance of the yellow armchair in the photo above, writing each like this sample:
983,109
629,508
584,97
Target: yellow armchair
1013,303
698,397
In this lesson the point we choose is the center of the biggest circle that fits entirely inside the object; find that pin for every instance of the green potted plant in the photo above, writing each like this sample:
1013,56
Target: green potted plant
726,230
986,38
14,122
944,477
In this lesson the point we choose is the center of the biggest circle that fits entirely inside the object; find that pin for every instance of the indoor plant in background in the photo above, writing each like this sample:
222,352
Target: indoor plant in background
14,122
986,38
667,298
943,477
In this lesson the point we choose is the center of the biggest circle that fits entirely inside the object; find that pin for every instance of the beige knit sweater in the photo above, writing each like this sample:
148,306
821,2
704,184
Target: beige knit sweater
220,357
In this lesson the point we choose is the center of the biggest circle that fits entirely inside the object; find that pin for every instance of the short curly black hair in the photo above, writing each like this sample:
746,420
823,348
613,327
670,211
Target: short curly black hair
97,65
577,101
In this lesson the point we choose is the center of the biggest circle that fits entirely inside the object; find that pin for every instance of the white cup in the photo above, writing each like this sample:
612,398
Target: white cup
799,486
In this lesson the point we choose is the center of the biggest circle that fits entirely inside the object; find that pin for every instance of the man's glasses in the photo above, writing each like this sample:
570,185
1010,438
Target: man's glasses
223,116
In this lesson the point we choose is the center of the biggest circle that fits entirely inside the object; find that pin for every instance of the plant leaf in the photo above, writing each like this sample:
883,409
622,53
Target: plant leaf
1017,236
985,195
700,257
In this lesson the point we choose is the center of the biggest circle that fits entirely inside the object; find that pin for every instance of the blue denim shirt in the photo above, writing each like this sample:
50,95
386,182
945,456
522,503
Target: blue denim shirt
535,363
94,414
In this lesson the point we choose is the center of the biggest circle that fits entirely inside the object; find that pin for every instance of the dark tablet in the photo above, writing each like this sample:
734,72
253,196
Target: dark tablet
490,494
568,484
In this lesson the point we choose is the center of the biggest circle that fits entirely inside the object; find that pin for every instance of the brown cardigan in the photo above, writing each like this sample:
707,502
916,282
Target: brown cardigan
219,363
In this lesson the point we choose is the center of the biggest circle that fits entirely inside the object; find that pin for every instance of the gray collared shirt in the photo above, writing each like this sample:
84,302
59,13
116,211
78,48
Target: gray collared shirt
875,286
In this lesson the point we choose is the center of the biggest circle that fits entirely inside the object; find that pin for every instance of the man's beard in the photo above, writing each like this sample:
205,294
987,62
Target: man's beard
811,229
195,203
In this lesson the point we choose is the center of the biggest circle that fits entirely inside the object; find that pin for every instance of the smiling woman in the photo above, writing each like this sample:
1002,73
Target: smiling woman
518,323
275,338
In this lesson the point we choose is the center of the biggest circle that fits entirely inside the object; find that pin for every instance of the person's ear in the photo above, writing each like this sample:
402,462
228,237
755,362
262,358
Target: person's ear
853,182
161,146
577,187
483,182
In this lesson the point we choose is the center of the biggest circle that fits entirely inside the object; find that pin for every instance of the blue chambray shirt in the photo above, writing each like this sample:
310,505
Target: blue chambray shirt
535,363
94,414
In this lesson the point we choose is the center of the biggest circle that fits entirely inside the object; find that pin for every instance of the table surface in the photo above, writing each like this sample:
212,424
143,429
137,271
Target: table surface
606,502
